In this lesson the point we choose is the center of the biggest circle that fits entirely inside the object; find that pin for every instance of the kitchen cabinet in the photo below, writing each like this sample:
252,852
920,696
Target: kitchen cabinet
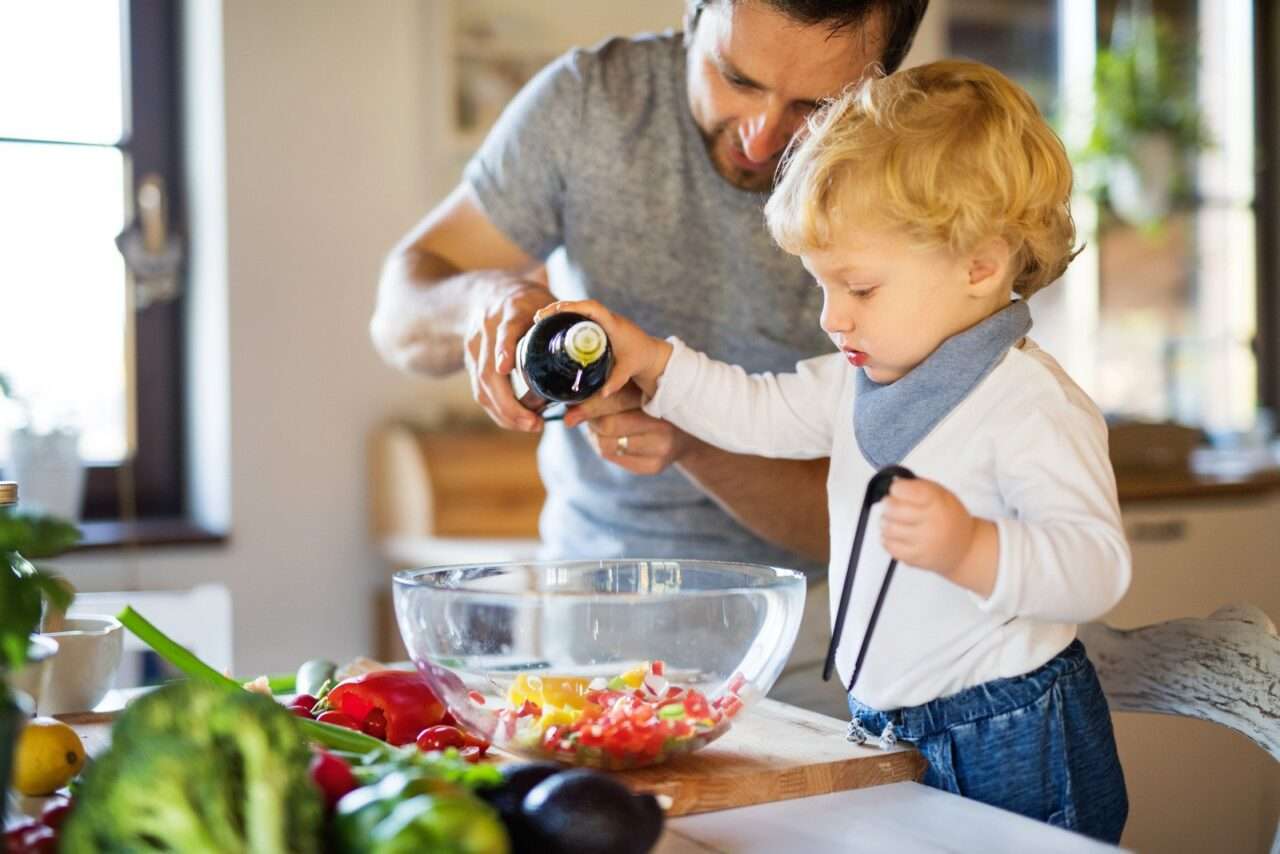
1195,786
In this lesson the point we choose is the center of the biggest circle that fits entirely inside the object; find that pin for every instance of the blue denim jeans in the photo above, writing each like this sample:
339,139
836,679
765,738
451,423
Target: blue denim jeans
1040,745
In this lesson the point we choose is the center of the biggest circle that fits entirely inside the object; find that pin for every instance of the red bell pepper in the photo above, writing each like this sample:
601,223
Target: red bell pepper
395,704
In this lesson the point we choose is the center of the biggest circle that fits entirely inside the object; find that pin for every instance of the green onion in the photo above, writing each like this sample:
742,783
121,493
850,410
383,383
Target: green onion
172,651
671,711
339,737
281,683
186,661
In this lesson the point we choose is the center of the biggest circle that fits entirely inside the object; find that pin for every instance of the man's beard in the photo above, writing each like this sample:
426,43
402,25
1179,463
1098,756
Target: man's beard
760,181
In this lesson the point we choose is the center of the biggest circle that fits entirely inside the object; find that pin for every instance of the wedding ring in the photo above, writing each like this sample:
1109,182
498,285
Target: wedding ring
621,449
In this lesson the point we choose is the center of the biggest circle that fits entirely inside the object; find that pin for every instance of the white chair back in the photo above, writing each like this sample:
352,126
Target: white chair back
1224,669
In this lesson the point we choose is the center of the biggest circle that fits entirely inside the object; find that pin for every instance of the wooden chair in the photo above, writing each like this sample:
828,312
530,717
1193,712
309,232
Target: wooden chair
1224,669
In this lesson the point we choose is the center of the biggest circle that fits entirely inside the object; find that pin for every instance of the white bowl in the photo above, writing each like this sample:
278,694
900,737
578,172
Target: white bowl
89,651
33,678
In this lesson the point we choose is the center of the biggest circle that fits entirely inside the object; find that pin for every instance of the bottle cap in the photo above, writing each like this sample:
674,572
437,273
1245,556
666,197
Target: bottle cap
585,342
8,492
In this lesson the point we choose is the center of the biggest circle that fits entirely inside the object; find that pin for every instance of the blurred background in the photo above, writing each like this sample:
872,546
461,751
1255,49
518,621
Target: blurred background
195,199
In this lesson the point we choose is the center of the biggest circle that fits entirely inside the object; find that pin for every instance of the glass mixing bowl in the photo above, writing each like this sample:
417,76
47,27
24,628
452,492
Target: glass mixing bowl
610,663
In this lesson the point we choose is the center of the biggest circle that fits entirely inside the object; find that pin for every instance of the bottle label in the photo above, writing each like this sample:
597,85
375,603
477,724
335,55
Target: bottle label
585,342
527,397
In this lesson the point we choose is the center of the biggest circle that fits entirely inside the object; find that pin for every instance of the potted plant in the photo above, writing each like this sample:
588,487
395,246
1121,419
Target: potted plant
25,593
44,456
1147,123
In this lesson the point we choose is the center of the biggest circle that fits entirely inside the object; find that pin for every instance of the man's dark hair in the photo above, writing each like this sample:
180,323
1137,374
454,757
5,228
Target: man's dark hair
901,19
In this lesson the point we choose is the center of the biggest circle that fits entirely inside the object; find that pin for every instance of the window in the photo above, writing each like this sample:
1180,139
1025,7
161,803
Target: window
94,116
1169,326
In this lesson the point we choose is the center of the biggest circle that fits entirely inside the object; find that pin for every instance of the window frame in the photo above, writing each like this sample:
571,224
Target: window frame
152,484
1267,197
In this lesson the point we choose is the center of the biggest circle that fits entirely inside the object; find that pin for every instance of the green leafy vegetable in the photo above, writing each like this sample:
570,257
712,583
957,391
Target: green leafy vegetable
193,767
24,588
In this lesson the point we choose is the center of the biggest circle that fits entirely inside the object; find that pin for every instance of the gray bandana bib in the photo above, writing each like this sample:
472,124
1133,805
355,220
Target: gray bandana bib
889,420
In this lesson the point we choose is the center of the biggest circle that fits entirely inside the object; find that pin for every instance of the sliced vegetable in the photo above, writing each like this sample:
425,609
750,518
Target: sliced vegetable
633,719
401,697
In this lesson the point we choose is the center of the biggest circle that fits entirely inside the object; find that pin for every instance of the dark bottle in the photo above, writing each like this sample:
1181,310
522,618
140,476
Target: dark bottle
564,358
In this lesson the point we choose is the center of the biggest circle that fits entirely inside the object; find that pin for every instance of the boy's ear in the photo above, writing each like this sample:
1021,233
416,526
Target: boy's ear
989,267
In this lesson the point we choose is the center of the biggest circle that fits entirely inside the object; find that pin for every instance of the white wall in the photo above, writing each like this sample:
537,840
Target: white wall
325,165
333,116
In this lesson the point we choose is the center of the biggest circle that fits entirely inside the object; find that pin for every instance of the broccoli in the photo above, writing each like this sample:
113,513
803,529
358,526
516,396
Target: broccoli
197,768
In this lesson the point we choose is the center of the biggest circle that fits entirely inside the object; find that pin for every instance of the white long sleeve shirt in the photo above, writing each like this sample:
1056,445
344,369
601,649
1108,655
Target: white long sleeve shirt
1026,449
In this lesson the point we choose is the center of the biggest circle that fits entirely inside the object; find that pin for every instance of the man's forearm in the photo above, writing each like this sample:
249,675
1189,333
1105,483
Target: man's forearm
782,501
424,307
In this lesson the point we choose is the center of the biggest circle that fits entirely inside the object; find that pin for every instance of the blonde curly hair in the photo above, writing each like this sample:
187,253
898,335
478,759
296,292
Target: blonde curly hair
952,152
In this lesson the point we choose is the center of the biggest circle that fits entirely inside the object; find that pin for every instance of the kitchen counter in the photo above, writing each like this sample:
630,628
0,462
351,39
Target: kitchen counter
1155,485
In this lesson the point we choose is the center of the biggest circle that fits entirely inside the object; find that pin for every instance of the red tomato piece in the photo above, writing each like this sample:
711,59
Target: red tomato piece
332,776
38,840
441,737
55,812
696,706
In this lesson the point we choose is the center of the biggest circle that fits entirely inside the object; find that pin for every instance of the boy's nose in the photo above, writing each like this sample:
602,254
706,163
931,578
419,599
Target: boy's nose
834,318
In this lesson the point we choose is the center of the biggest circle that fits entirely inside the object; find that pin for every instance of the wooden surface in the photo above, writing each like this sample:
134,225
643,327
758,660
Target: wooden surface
454,483
774,752
1142,486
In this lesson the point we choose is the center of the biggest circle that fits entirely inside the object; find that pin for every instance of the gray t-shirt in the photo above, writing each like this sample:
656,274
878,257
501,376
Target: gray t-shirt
599,155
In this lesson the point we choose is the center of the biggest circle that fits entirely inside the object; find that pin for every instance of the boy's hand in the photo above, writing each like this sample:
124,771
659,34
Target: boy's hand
926,526
637,355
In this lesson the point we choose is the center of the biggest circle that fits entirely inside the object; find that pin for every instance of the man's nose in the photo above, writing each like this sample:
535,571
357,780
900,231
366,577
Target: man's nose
764,134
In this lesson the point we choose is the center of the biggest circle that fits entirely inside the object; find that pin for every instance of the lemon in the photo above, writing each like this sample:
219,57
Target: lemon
47,756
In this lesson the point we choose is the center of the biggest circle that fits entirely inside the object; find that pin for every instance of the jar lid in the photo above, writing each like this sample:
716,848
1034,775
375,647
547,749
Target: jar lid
8,492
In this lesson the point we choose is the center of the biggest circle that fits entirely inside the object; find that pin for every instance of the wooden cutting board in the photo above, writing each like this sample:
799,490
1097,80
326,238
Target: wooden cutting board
773,752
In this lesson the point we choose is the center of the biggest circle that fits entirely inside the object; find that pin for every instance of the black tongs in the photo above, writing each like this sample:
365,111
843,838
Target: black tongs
878,488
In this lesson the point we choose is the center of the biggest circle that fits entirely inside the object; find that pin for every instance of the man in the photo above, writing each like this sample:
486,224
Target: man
648,161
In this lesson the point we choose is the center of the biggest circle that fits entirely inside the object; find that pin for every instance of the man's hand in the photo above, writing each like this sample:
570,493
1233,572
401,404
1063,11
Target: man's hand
489,350
624,435
925,525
